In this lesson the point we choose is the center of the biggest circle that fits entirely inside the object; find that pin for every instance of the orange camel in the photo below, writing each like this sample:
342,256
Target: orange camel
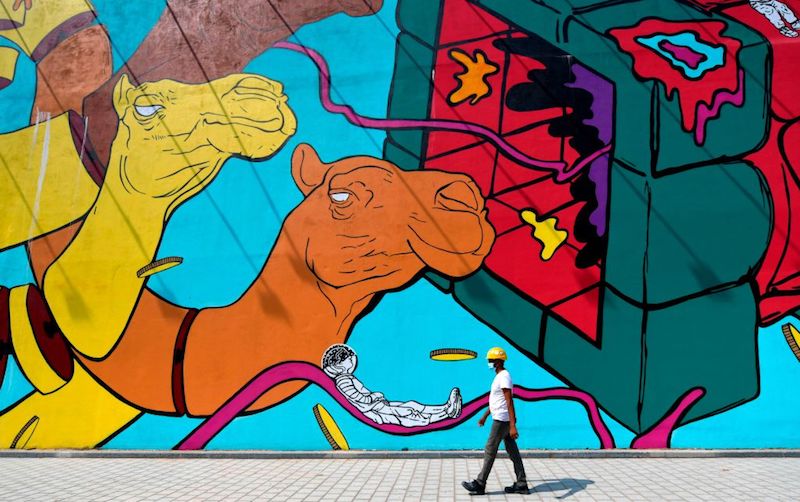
364,227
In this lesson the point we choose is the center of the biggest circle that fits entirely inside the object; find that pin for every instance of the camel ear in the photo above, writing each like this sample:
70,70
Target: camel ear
121,94
308,170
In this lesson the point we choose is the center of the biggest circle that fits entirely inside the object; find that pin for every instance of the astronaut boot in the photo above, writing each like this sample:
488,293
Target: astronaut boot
453,405
788,32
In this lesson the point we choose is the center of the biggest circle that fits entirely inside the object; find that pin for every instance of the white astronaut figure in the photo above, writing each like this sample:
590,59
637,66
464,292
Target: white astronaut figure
777,12
340,361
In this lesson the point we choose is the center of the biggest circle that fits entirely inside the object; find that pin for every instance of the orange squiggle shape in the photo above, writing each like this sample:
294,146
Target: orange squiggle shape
473,81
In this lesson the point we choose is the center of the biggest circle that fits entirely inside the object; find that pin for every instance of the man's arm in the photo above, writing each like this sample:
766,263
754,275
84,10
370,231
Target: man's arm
512,416
482,420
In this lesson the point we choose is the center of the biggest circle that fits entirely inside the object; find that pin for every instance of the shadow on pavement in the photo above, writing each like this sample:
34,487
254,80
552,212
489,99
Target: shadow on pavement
571,486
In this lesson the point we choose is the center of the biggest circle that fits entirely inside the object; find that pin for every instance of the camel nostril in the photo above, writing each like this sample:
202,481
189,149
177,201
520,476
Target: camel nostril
254,85
458,196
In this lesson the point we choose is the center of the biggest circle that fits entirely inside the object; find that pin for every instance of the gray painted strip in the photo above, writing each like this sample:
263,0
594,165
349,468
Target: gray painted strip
379,454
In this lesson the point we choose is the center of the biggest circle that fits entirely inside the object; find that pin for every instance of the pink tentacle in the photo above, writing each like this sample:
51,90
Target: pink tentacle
562,170
660,435
293,371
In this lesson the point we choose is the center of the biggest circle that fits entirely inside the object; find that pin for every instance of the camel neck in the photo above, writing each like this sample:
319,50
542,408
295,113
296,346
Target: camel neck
304,300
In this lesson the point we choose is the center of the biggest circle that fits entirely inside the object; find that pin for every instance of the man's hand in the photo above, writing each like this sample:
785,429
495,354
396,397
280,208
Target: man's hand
513,432
481,421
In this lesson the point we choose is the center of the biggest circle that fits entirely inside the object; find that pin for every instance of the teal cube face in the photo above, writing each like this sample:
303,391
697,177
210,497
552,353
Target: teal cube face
531,16
695,112
610,372
411,91
420,19
628,221
708,227
708,342
503,310
399,156
723,136
692,231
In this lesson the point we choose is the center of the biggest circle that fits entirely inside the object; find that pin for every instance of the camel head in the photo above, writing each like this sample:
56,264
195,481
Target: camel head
365,222
174,137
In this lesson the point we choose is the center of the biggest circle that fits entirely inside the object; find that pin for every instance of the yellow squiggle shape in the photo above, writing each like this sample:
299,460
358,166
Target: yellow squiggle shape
545,232
472,82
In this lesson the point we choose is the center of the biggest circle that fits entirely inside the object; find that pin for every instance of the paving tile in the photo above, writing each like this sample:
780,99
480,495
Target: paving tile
397,479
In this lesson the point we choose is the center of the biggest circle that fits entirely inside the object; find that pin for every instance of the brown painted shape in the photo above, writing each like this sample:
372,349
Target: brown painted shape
51,341
199,40
73,69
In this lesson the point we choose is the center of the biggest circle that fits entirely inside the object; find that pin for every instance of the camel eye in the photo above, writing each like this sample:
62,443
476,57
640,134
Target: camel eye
146,108
340,197
148,111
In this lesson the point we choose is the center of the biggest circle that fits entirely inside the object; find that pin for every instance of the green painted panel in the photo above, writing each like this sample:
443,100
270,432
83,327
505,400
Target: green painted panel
708,341
610,373
498,306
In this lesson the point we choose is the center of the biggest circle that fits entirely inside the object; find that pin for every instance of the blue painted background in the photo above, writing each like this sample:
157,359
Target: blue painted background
225,234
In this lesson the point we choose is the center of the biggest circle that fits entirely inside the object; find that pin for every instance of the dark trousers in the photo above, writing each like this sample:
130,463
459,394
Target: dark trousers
500,432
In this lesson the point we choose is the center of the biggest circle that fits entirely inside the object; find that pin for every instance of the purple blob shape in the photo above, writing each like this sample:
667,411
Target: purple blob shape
687,55
602,92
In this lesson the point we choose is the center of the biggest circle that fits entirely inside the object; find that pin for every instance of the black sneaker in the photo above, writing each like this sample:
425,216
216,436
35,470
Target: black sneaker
474,487
515,488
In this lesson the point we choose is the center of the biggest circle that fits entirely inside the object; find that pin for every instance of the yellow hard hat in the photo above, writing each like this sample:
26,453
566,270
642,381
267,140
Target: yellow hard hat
496,353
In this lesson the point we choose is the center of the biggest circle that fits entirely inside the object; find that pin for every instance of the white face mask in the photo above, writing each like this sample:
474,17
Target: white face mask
491,366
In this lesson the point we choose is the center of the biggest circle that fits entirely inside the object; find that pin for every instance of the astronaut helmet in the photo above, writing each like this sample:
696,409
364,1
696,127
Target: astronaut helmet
339,359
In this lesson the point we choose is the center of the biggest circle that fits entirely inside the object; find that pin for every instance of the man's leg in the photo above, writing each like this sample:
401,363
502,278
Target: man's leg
516,458
498,432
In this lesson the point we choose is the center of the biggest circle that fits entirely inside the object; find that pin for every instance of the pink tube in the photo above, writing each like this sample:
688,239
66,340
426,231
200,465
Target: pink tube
562,170
660,435
294,370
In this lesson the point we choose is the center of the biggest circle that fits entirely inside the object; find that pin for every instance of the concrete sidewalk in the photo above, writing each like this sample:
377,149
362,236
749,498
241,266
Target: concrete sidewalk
171,478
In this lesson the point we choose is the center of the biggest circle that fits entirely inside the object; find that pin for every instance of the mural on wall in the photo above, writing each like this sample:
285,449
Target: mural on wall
206,217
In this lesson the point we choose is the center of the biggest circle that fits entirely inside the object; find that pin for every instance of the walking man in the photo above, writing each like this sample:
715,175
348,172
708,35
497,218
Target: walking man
504,427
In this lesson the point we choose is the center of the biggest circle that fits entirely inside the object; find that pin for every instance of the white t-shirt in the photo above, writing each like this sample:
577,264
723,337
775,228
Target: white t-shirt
497,401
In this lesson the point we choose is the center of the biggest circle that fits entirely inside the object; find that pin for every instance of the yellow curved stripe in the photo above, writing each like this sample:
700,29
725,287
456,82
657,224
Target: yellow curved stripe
29,356
330,429
81,414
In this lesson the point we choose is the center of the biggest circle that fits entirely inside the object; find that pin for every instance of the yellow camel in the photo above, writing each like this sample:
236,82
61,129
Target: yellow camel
173,138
